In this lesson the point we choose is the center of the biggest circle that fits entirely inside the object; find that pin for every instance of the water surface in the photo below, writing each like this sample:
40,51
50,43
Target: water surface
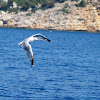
67,68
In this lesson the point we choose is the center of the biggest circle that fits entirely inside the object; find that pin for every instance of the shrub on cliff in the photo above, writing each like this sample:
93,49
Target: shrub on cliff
26,5
60,1
3,6
75,0
47,4
81,4
65,9
10,3
0,1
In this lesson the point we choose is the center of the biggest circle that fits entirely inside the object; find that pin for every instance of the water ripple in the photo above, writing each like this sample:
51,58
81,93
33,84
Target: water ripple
65,69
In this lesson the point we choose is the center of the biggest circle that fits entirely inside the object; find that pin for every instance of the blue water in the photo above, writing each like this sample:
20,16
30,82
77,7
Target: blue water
67,68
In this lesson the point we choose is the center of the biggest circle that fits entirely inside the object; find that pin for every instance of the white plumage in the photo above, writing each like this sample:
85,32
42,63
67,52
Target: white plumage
27,47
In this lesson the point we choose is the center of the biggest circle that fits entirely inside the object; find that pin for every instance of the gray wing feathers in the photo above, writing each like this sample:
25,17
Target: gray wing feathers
28,50
41,37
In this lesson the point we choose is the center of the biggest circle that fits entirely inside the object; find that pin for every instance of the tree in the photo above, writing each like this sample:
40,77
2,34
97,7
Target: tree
10,2
26,5
47,4
81,4
4,6
60,1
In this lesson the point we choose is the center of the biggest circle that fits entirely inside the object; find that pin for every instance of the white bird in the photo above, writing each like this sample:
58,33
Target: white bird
27,47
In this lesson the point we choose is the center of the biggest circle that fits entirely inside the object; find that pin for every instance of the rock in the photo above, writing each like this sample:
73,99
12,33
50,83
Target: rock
81,18
5,1
14,5
1,23
2,12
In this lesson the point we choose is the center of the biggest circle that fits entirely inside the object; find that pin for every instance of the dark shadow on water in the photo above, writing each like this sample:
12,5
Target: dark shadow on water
69,98
64,98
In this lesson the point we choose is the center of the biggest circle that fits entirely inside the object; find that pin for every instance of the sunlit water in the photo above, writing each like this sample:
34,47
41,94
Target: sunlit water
67,68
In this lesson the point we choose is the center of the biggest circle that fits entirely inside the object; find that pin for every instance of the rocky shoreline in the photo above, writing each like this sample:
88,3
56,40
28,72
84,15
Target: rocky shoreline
79,19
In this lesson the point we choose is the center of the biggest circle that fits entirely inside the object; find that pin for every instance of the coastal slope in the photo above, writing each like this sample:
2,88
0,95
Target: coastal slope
76,19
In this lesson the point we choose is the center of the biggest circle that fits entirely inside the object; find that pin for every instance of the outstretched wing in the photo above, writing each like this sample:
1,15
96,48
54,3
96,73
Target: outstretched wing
41,37
27,47
28,50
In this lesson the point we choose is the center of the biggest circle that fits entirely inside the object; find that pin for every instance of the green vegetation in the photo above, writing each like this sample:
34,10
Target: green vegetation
24,5
46,5
28,14
65,9
75,0
3,6
66,5
81,4
61,1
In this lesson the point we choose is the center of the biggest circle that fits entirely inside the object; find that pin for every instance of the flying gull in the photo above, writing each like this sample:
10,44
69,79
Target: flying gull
27,47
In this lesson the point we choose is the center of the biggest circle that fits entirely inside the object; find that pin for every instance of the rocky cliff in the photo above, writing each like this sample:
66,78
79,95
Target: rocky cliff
77,19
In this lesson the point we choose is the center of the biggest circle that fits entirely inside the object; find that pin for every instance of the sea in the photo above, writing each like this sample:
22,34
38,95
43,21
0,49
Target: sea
66,68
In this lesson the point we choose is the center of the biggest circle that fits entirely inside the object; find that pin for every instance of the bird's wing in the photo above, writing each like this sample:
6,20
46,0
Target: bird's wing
27,40
41,37
28,50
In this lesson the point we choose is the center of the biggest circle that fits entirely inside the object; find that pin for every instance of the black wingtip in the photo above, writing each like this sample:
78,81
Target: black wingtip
48,40
32,63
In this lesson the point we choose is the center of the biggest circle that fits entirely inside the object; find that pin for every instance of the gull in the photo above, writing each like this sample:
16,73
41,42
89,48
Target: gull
27,47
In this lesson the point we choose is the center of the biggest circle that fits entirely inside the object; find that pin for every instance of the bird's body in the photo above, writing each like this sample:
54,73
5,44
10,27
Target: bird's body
27,47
